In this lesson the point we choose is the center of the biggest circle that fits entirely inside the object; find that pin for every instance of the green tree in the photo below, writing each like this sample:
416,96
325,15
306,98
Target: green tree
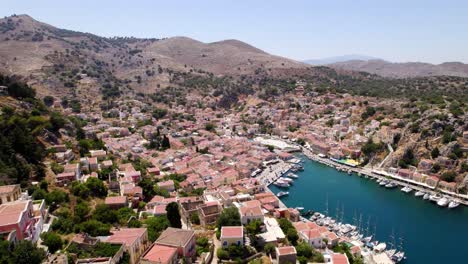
48,100
254,227
173,215
269,248
195,219
435,153
292,236
222,254
52,241
94,228
155,226
27,253
105,214
96,186
229,217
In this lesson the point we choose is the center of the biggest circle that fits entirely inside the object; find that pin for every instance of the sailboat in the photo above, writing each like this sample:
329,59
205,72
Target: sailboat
392,249
400,255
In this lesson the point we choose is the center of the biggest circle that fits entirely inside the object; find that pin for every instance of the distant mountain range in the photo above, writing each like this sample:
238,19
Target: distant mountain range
330,60
392,69
403,70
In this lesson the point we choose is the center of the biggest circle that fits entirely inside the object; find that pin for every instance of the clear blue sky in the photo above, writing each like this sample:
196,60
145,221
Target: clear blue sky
411,30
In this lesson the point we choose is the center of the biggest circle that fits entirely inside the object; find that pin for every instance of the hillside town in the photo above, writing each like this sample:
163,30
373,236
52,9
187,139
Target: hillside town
189,184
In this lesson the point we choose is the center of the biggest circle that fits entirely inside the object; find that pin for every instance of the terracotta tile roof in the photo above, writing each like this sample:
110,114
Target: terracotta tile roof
289,250
8,188
161,254
116,200
339,259
10,213
232,231
126,236
175,237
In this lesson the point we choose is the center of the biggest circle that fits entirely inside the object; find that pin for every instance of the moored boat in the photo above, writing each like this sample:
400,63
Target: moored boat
443,202
406,189
435,197
380,247
426,196
453,204
281,194
419,193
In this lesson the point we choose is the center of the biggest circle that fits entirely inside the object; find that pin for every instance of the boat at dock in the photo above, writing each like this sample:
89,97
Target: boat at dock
281,194
281,183
391,185
435,197
453,204
443,202
287,180
292,175
419,193
406,189
380,247
426,196
384,182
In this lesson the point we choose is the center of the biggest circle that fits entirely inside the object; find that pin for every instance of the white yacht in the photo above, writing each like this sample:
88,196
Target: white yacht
435,197
281,183
406,189
426,196
380,247
292,175
391,185
453,204
419,193
281,194
443,202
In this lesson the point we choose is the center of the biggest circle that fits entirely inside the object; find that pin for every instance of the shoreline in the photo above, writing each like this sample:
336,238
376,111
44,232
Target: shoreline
401,181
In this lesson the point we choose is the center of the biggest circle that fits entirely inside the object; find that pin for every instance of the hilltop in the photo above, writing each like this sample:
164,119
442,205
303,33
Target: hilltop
52,58
93,69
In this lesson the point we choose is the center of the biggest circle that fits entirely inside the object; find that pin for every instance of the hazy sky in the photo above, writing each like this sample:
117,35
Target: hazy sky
411,30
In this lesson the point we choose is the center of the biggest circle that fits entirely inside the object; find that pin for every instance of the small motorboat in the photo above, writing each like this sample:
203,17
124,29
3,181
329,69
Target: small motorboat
419,193
426,196
398,257
453,204
391,185
299,208
281,184
390,252
435,197
281,194
406,189
443,202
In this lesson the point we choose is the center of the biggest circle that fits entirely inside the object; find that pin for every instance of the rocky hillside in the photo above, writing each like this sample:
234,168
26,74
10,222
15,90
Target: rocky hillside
94,69
53,59
404,70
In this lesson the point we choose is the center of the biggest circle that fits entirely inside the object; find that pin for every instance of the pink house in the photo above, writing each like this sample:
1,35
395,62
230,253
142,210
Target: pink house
17,221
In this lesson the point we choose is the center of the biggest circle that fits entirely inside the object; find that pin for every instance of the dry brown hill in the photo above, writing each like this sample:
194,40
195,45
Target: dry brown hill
56,60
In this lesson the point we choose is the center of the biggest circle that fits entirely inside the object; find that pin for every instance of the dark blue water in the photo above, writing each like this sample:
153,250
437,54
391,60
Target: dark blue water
431,234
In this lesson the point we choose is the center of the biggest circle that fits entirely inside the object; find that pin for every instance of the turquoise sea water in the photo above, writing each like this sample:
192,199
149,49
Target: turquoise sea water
431,234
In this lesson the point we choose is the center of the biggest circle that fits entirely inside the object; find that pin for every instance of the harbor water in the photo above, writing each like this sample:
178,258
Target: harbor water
430,234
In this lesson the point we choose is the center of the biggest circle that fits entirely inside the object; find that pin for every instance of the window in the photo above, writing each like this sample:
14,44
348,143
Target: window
225,243
238,243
